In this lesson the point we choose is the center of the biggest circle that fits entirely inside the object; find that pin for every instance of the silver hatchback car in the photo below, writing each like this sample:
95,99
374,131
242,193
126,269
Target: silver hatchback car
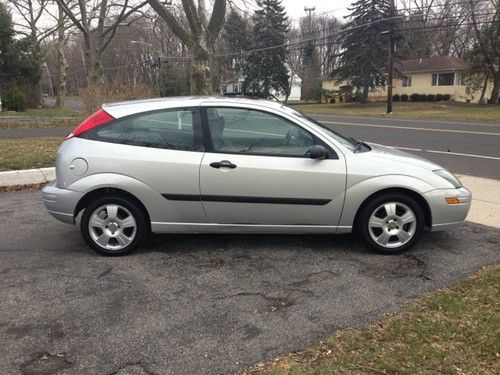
203,164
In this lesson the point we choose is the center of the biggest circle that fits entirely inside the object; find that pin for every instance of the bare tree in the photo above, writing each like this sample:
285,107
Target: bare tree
199,38
489,42
329,46
98,22
30,15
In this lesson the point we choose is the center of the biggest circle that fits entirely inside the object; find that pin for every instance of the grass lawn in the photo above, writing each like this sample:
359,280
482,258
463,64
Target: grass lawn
42,112
27,153
424,111
452,331
41,118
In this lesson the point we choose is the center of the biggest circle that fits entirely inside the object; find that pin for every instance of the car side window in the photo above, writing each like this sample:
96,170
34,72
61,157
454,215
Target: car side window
248,131
175,129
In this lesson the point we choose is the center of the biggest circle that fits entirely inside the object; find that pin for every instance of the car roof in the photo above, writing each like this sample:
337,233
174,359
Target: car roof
120,109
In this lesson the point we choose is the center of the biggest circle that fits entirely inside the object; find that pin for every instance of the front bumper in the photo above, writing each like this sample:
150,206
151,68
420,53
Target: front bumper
444,215
61,203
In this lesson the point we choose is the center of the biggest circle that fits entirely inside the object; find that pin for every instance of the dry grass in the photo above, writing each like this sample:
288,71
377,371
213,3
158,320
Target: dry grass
423,111
4,189
453,331
27,153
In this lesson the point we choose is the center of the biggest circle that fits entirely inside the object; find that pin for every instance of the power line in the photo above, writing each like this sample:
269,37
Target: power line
315,40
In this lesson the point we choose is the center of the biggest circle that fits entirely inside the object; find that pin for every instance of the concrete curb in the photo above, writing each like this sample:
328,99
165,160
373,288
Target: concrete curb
27,176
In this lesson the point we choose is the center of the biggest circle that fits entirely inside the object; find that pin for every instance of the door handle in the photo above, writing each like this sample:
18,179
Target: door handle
223,164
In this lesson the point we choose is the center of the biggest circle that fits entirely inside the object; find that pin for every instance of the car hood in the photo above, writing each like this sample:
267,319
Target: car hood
395,155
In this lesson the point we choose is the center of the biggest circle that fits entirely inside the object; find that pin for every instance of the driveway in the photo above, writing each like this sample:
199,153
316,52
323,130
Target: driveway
189,304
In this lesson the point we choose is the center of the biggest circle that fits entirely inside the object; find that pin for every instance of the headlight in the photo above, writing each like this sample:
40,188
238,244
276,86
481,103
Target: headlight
448,176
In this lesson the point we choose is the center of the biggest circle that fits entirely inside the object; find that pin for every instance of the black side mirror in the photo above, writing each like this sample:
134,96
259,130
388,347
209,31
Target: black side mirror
318,152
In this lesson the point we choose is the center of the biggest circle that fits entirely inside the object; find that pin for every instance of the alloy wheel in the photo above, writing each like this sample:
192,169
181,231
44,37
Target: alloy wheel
112,227
392,224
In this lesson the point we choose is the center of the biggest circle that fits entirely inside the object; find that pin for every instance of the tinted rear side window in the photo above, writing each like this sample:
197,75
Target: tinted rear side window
175,129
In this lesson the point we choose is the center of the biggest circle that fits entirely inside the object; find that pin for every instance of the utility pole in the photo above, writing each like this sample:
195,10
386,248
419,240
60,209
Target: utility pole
391,56
309,11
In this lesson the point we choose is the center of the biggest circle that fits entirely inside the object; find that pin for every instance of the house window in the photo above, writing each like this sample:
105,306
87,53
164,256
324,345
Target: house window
443,79
407,81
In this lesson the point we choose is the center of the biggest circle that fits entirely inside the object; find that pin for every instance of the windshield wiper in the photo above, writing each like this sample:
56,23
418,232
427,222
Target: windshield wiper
359,144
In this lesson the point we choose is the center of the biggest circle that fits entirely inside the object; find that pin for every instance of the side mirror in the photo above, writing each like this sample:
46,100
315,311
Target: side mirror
318,152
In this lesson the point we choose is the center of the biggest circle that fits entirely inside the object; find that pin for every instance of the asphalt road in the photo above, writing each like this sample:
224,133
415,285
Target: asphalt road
465,148
190,304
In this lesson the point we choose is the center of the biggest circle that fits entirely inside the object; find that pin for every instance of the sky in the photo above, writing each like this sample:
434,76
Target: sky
294,8
337,8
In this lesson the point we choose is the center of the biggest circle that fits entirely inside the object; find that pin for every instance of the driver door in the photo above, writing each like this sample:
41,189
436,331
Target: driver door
257,171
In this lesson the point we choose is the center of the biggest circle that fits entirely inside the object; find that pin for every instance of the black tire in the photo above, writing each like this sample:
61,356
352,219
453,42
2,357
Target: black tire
366,212
137,213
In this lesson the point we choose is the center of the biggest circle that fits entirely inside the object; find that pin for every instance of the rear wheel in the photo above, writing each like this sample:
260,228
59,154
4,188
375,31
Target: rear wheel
113,226
391,223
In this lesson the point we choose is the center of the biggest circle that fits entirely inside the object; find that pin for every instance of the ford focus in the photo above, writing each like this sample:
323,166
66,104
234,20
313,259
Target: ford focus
220,165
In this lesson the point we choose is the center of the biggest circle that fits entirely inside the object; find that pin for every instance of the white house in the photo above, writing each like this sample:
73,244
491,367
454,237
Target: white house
231,88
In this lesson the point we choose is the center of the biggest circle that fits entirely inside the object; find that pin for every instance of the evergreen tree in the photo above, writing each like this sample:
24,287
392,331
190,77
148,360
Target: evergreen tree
236,35
364,46
7,53
265,70
19,60
28,69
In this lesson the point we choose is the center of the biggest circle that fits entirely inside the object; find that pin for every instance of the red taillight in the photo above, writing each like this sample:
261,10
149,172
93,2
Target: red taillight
99,118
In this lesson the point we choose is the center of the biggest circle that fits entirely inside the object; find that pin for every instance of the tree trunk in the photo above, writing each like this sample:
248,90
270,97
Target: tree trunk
199,72
366,89
496,89
62,64
483,91
61,88
92,62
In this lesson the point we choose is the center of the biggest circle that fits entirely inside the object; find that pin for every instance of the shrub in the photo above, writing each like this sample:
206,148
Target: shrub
332,101
404,98
14,100
422,97
446,97
431,97
415,97
439,97
396,97
95,94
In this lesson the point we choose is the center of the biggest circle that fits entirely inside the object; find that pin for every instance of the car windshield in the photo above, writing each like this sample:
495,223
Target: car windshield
350,144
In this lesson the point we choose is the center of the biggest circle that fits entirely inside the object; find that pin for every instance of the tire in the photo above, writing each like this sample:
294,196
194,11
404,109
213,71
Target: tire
391,223
113,226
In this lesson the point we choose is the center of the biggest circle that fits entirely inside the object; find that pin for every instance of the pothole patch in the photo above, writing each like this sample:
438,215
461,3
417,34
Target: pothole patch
407,265
45,364
279,304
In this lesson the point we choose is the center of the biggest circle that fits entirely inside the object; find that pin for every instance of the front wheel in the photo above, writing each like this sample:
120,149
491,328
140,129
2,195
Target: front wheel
113,226
391,223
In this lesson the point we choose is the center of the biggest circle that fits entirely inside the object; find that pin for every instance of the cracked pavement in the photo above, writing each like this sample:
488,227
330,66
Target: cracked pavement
188,304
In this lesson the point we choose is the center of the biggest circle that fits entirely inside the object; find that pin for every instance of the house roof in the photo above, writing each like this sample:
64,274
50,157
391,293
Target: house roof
428,64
